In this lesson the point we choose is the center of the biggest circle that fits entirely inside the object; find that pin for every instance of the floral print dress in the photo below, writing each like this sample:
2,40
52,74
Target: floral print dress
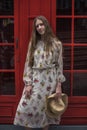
43,76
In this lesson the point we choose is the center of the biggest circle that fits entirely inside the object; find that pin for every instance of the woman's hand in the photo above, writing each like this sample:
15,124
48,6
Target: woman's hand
58,90
28,90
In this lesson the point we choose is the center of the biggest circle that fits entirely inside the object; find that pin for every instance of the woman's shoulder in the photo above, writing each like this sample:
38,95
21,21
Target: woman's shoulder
57,42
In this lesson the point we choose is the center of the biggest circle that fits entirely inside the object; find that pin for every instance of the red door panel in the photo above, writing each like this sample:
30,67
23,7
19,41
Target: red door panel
69,23
68,19
9,59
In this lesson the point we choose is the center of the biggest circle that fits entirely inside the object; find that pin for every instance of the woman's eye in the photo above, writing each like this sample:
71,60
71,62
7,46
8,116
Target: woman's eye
41,24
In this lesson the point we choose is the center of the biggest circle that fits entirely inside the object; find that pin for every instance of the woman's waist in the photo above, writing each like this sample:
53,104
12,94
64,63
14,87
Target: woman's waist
44,67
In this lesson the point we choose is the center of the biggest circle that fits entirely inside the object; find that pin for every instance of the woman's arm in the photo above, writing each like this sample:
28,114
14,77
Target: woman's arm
60,76
27,75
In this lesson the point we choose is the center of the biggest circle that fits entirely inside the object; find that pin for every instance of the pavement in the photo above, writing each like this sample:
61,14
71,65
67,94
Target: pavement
52,127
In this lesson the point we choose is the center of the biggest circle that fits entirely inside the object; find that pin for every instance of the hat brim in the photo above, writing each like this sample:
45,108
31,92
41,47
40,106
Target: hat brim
56,109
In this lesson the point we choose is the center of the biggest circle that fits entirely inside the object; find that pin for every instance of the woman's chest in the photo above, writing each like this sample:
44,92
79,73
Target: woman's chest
40,53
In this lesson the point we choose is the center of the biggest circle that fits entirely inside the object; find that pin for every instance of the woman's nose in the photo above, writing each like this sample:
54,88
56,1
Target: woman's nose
39,26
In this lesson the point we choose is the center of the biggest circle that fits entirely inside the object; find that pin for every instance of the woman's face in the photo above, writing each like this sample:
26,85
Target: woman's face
40,27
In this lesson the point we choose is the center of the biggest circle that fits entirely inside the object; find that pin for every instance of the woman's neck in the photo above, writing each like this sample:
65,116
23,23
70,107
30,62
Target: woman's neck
42,37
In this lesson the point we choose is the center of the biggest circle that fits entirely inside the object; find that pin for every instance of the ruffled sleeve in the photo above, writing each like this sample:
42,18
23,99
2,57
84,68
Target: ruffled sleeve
27,75
60,76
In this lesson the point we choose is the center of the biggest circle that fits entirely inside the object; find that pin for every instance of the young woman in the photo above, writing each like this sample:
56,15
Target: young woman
43,75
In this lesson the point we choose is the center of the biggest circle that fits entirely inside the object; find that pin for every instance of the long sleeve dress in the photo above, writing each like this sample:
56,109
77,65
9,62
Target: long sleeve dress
44,75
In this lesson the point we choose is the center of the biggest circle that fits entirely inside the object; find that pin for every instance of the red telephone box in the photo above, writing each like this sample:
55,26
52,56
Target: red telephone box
68,19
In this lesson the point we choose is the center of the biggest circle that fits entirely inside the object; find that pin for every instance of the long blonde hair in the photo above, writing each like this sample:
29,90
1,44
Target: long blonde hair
35,37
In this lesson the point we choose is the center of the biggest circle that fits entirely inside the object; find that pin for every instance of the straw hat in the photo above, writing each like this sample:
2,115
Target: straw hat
56,107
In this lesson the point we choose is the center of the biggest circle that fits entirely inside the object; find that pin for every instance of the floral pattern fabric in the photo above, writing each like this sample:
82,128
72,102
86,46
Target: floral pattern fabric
43,76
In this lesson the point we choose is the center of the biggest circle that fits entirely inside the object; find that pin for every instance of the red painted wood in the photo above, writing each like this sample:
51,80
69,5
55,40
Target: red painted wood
53,15
8,103
24,13
76,111
6,111
74,121
35,7
45,9
6,120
